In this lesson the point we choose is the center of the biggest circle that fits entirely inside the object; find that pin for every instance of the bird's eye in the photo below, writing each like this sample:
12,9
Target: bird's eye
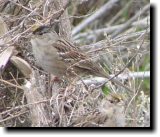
41,30
37,33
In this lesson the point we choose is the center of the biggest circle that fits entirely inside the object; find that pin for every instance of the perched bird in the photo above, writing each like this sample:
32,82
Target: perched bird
109,112
60,57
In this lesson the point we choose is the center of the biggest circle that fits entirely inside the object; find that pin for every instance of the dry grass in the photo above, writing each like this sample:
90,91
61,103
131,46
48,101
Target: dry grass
120,38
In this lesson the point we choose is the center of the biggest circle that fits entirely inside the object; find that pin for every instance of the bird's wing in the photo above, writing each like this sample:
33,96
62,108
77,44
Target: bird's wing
73,55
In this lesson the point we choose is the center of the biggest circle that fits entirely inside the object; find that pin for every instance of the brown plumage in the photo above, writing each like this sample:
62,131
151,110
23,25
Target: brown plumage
60,57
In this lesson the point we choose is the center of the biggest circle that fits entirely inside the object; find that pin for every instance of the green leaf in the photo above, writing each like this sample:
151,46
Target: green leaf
105,90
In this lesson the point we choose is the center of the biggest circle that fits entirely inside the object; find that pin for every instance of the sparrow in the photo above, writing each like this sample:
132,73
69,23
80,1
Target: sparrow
61,57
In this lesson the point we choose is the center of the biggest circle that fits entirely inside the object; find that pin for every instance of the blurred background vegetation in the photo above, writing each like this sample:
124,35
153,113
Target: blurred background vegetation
114,32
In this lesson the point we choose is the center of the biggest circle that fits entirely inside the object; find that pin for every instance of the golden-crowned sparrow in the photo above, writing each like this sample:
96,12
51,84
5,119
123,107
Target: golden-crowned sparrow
60,57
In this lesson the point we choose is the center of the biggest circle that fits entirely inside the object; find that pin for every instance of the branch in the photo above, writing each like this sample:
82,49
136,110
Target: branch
98,14
103,43
143,23
130,21
113,20
100,80
64,22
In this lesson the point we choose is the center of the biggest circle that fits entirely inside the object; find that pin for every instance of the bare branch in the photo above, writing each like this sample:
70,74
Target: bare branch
93,34
130,21
134,75
103,10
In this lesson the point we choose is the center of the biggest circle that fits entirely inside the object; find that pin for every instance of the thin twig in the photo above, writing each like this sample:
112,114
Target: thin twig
8,83
14,116
112,78
22,106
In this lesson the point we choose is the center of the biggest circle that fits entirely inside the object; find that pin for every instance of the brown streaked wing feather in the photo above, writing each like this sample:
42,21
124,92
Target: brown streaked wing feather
88,65
71,53
67,51
67,46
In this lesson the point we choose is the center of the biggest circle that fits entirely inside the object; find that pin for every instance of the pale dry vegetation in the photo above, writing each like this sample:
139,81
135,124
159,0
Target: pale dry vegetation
115,33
